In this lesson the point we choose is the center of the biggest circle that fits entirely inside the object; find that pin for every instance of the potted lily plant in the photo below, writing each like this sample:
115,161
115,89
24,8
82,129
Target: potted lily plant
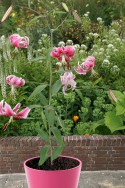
50,169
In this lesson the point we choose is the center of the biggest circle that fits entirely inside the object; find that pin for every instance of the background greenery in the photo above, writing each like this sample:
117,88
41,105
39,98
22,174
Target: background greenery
105,40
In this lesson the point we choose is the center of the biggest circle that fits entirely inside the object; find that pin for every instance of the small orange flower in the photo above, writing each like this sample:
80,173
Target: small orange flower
87,134
75,118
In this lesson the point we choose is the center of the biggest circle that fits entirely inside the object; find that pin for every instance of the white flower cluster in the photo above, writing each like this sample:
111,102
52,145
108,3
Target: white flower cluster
69,42
61,43
110,46
2,38
99,19
83,47
77,46
105,63
86,14
115,69
93,35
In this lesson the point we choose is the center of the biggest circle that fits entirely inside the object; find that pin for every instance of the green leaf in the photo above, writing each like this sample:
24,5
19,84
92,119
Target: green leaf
44,135
50,115
59,12
33,20
79,93
65,7
113,122
119,109
97,124
44,154
97,81
120,128
18,74
29,3
44,119
57,135
38,58
43,99
35,106
37,90
56,87
57,152
70,20
59,121
48,57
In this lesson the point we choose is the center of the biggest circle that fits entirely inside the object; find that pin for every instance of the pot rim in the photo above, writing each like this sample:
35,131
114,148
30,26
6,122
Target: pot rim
80,164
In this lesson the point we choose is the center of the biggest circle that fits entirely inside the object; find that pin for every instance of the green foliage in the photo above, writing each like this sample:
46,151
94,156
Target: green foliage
50,115
56,87
49,134
114,122
44,154
20,128
68,127
57,151
84,128
115,119
37,90
43,134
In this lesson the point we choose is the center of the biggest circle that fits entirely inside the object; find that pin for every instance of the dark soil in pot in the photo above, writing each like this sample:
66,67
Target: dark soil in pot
61,163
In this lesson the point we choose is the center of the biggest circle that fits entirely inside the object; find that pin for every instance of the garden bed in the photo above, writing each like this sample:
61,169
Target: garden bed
96,152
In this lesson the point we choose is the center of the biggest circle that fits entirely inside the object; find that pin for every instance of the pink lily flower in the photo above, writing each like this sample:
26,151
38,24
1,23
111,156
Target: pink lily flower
86,66
17,82
18,41
91,59
57,52
68,80
6,110
80,69
69,53
64,54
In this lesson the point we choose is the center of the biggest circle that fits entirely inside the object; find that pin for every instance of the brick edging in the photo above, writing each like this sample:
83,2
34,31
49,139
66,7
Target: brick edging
96,152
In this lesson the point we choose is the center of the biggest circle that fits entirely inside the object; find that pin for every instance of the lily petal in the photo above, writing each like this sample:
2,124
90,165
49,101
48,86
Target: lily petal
22,114
8,110
16,108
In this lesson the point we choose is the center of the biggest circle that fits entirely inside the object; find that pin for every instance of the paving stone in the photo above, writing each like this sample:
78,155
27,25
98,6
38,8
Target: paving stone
93,179
3,180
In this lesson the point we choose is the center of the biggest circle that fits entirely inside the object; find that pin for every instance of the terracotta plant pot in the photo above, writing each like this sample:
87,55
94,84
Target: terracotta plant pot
68,178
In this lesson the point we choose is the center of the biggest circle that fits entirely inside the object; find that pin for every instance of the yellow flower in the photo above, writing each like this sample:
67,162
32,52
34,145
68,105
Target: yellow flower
87,134
12,14
75,118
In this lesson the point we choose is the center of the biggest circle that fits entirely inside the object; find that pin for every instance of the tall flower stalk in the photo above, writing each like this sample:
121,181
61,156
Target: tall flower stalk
7,66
